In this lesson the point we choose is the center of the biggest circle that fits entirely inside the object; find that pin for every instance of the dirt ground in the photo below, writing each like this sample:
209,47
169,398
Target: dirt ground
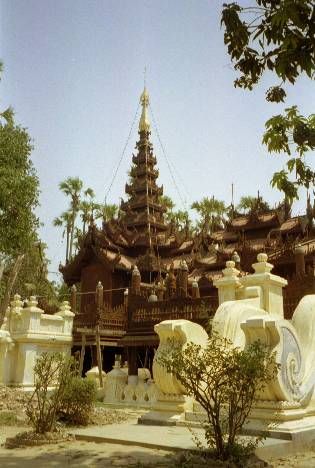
78,453
81,454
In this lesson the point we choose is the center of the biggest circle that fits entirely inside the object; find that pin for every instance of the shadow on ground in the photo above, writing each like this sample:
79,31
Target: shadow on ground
98,455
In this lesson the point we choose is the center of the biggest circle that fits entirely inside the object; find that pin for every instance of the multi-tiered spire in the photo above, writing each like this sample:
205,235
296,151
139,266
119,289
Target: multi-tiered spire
143,210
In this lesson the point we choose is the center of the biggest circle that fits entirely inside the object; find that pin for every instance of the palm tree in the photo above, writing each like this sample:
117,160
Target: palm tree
87,208
77,239
211,213
72,187
65,221
182,219
169,205
107,212
250,204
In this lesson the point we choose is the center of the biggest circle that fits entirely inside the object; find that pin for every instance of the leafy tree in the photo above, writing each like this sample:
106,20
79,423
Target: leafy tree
294,135
250,204
277,36
32,278
63,292
8,113
211,213
19,190
225,381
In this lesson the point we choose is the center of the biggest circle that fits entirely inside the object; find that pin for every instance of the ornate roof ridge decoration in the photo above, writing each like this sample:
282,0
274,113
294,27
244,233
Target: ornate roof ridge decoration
148,262
94,238
253,220
101,238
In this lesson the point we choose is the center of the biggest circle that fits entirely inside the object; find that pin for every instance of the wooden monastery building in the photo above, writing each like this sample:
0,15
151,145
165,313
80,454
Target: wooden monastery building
137,270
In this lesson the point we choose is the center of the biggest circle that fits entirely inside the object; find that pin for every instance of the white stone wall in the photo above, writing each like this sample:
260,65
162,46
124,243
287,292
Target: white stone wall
26,333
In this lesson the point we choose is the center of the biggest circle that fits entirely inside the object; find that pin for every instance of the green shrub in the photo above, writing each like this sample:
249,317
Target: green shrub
225,381
78,400
51,374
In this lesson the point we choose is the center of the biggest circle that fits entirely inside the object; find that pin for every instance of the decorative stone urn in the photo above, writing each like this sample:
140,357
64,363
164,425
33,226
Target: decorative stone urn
115,384
94,374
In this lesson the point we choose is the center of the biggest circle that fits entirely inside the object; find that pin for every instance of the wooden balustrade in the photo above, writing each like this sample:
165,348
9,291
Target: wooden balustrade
144,315
141,314
95,311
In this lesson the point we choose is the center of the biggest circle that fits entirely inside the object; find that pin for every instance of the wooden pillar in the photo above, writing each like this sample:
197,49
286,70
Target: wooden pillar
82,354
93,355
132,361
99,355
126,293
184,279
299,261
178,282
99,301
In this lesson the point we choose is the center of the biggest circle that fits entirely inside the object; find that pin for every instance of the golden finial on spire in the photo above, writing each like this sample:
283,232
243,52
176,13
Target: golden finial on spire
144,124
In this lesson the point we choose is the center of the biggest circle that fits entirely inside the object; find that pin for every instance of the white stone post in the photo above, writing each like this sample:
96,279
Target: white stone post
13,312
67,315
228,285
31,316
5,346
271,299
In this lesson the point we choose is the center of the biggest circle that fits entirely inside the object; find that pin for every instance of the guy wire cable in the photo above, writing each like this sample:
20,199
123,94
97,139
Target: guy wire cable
184,204
122,155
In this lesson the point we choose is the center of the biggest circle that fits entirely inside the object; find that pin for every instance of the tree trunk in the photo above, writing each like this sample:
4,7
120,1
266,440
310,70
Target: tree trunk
11,281
2,265
67,247
72,234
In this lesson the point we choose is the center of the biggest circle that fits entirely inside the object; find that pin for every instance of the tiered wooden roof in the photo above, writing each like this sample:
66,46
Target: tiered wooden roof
140,236
143,210
272,231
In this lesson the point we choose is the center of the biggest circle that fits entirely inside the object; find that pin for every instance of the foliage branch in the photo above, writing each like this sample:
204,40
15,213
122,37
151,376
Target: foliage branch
277,36
225,381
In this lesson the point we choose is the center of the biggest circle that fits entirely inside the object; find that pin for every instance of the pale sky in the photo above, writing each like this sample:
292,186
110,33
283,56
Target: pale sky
74,74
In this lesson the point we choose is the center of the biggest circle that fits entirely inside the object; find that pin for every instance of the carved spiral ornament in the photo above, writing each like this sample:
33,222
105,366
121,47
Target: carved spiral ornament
291,364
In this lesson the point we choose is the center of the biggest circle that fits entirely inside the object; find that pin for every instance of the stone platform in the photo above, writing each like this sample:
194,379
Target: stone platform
174,438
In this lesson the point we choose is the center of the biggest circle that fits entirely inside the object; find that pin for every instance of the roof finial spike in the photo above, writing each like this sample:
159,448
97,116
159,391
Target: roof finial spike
144,124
